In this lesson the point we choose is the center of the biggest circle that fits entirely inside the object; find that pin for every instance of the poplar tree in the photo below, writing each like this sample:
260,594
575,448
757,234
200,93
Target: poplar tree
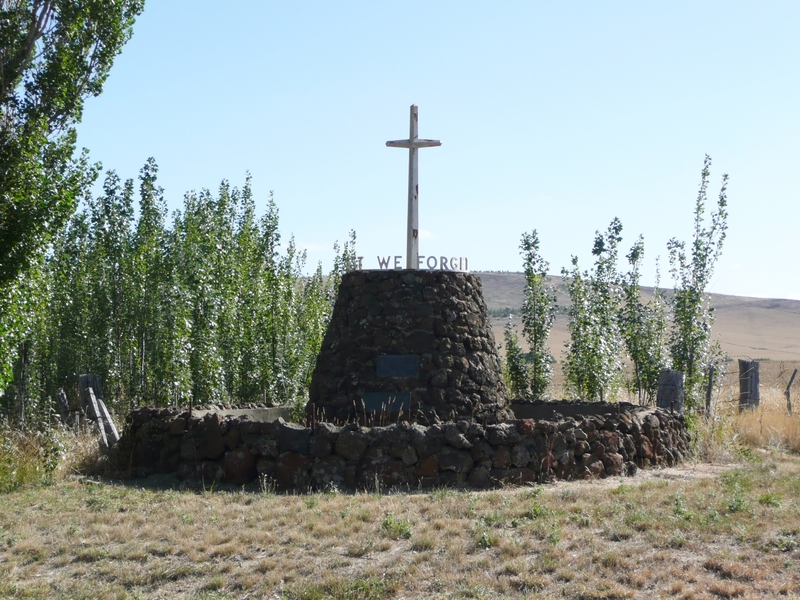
592,363
538,315
644,329
691,347
53,55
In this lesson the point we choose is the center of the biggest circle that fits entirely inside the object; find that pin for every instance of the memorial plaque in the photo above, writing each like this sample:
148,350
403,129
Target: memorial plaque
398,365
387,401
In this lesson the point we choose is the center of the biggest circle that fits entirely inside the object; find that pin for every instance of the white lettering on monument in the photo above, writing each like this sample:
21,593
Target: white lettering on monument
433,263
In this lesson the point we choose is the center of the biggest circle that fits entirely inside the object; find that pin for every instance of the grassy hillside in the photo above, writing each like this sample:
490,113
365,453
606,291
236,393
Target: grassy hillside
746,327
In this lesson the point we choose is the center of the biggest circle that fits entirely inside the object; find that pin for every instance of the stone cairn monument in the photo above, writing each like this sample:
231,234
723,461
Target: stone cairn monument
409,344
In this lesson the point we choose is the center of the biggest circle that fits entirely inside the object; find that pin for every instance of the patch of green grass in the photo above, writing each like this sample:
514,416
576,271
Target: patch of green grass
536,511
440,494
736,479
395,527
495,519
737,502
769,499
214,584
485,539
91,554
359,550
679,507
422,543
677,541
785,542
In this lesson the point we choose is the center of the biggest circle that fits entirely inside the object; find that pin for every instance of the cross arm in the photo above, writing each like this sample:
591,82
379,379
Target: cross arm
415,144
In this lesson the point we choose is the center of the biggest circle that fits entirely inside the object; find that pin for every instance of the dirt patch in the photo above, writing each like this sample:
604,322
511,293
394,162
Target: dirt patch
685,472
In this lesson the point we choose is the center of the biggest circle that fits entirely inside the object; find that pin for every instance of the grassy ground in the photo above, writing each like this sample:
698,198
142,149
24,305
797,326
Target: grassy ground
725,525
700,532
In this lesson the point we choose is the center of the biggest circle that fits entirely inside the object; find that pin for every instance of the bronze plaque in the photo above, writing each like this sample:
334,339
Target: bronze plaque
398,365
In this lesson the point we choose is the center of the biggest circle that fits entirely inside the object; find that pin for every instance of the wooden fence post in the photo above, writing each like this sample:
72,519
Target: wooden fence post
749,395
100,426
788,394
95,408
670,390
709,389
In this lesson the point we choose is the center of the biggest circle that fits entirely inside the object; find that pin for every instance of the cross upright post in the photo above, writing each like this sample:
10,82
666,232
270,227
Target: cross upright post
413,143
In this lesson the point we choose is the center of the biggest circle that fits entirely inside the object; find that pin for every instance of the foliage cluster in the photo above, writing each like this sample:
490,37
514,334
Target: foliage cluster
691,347
53,55
592,363
609,319
643,327
210,309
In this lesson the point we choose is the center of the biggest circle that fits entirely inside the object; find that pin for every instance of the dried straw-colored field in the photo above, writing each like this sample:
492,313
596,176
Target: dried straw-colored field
727,531
726,525
766,328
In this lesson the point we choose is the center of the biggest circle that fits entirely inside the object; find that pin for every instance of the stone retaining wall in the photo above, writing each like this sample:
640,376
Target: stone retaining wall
237,450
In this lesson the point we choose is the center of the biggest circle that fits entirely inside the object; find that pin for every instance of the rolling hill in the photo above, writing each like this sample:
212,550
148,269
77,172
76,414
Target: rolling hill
759,328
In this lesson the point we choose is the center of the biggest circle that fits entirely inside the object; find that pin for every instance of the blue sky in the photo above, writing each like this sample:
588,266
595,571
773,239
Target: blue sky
554,116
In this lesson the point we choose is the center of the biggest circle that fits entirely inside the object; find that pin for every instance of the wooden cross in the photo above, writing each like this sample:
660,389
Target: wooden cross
412,143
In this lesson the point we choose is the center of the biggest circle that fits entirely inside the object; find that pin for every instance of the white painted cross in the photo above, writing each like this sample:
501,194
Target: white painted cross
412,143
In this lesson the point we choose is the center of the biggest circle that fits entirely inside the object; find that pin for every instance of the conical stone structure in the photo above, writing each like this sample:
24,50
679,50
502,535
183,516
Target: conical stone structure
410,345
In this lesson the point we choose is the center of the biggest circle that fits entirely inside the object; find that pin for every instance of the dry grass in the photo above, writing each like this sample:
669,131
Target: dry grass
735,532
770,425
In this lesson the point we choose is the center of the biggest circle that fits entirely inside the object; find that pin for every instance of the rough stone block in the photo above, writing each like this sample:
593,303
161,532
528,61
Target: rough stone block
454,436
478,477
455,460
293,438
520,457
610,440
427,467
291,471
503,433
613,463
426,441
352,444
266,467
521,476
267,447
501,458
329,473
383,472
240,466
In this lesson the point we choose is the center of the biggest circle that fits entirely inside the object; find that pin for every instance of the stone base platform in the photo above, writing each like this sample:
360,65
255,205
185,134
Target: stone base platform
236,449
